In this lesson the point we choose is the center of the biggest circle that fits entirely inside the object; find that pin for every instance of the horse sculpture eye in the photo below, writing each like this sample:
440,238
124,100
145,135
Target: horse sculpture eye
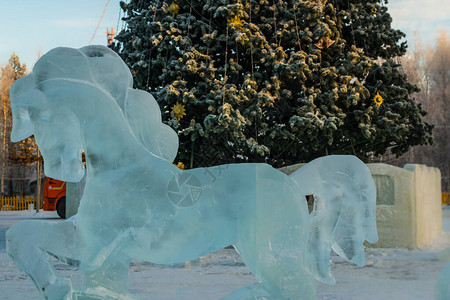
46,117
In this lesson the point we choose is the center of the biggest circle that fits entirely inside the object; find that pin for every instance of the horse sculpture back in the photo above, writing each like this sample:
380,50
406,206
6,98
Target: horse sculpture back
138,206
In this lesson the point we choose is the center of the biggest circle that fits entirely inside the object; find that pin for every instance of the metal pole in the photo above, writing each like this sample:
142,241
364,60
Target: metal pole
38,182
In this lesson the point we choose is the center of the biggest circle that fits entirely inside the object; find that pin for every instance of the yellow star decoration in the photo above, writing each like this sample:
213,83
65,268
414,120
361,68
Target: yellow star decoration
373,10
237,22
173,9
378,99
178,111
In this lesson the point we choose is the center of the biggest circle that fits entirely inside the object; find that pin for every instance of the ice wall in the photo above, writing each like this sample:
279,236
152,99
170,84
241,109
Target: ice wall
395,205
427,196
408,205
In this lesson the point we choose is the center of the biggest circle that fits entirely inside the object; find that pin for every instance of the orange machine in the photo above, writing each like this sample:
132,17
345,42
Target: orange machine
55,196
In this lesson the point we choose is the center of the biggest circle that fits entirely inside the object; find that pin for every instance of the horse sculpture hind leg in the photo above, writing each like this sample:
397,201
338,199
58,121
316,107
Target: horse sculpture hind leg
272,239
60,239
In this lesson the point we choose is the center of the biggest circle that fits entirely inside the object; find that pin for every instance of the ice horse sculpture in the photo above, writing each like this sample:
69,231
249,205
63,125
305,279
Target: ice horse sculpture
138,206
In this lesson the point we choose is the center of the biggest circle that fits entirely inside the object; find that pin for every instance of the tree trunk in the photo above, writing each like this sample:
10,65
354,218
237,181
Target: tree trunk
4,154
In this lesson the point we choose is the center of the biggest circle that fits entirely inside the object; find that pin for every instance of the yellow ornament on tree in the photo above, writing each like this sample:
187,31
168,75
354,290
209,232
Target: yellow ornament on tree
178,111
180,165
237,22
173,9
378,99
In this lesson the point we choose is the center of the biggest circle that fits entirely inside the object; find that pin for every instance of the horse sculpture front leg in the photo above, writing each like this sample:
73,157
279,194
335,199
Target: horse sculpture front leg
105,271
29,244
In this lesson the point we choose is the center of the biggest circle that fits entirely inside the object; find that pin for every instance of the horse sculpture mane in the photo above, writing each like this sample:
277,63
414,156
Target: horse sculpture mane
138,206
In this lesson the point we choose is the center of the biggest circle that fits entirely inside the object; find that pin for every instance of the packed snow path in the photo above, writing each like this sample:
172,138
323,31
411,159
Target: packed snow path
389,274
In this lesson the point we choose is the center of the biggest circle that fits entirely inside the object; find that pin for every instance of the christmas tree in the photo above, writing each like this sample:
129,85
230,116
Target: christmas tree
273,81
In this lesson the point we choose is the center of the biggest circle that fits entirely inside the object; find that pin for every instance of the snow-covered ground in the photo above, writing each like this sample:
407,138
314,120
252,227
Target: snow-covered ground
389,274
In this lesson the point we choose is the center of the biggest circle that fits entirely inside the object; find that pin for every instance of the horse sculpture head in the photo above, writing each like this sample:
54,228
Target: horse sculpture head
56,130
39,107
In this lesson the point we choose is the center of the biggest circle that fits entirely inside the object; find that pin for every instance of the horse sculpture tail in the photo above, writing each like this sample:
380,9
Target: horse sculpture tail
344,214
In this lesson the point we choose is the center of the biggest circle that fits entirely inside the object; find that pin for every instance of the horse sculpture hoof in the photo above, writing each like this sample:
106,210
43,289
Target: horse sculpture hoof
94,294
60,289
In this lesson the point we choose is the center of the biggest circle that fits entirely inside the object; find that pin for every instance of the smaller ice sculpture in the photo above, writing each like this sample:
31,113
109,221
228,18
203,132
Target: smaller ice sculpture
138,206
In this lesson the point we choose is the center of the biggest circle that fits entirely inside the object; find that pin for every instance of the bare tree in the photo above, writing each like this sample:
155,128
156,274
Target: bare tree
439,102
13,168
7,74
429,68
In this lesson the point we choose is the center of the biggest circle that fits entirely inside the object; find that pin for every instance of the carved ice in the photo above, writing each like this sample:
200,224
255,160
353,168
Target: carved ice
138,206
443,282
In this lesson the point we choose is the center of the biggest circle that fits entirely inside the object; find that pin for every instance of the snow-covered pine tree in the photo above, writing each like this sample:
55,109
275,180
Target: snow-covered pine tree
273,81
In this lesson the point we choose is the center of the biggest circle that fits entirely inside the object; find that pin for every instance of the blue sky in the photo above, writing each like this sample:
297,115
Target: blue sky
425,16
32,26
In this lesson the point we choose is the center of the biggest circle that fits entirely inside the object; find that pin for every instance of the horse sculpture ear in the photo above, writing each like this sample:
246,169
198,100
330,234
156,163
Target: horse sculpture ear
24,96
144,117
62,63
109,71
